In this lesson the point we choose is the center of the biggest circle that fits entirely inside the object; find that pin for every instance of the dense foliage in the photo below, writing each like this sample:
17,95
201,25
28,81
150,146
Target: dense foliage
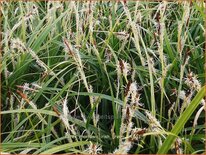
102,77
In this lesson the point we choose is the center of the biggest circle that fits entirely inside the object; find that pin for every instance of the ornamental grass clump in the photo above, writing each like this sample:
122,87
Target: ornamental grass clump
91,77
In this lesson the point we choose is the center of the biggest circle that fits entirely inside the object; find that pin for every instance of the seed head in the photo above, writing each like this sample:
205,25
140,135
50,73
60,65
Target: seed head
182,95
153,121
94,148
124,148
192,82
123,67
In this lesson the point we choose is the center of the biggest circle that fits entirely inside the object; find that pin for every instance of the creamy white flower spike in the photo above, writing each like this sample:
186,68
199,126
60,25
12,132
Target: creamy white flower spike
122,35
182,95
133,87
153,121
126,69
16,43
65,109
94,148
123,68
192,81
132,91
124,148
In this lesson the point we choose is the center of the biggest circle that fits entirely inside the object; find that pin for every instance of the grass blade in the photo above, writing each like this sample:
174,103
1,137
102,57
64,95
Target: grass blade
181,121
64,147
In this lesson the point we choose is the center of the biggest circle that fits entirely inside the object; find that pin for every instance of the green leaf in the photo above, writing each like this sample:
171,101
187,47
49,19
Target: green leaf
181,121
20,145
65,147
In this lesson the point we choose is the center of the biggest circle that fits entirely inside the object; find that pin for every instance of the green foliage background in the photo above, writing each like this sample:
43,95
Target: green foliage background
155,38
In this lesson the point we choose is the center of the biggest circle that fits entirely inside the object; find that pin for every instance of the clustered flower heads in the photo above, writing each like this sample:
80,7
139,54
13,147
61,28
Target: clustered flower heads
93,99
124,148
32,11
108,56
132,135
123,68
16,43
153,122
135,96
94,148
122,35
182,95
64,115
177,146
194,85
129,134
192,82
